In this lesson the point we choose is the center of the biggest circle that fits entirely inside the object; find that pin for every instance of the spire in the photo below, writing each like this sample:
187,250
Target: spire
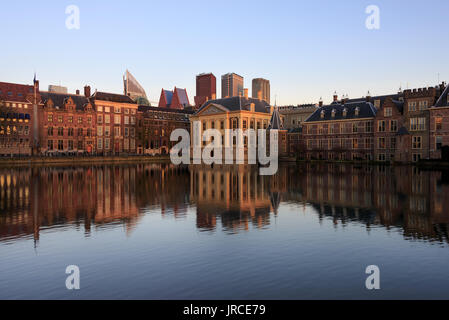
275,122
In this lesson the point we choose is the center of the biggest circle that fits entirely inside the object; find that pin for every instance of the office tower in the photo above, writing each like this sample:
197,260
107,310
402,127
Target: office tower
231,85
261,89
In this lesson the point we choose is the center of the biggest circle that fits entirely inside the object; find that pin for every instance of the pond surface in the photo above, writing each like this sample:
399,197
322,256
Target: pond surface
161,232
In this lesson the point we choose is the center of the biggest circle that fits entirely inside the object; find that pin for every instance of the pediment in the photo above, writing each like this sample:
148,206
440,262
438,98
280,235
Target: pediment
213,109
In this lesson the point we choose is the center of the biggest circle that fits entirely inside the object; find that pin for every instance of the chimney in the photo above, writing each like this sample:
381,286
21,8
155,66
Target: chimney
77,92
259,95
368,97
271,109
321,102
214,96
335,96
245,93
87,91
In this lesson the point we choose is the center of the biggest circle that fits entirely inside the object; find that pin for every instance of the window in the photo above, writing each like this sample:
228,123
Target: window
107,119
80,145
126,111
204,125
439,142
80,120
107,109
355,143
213,124
60,119
70,119
117,109
50,131
99,109
244,124
60,145
381,143
416,142
70,132
417,124
412,106
393,125
381,126
126,119
423,105
355,127
80,132
369,126
100,143
439,123
89,119
60,131
416,157
222,125
100,119
382,157
393,143
133,120
388,112
107,132
99,131
126,132
107,143
50,117
117,131
50,144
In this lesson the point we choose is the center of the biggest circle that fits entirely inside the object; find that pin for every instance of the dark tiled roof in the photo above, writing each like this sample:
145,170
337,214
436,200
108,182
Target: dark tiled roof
275,122
113,97
366,110
59,99
239,103
395,96
15,92
182,95
168,96
399,105
147,108
443,101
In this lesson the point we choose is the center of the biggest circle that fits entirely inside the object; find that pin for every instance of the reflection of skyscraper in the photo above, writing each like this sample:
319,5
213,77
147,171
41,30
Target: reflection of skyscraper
231,85
261,89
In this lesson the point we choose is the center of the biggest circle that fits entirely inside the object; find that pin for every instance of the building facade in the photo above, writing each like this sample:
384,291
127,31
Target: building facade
116,123
155,126
231,85
67,124
294,116
176,99
18,117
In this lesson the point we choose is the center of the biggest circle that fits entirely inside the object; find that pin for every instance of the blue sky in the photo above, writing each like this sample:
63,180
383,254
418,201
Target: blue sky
307,49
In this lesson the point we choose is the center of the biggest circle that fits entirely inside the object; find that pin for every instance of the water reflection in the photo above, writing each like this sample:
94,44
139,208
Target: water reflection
232,200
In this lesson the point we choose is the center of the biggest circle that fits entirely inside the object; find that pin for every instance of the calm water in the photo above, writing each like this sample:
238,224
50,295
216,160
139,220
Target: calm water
161,232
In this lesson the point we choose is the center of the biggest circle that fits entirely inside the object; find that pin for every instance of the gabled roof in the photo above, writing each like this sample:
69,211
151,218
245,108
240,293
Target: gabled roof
336,112
443,100
275,122
60,99
112,97
168,96
239,103
182,96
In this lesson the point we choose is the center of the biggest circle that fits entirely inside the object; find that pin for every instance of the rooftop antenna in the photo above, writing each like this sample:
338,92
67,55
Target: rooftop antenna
438,78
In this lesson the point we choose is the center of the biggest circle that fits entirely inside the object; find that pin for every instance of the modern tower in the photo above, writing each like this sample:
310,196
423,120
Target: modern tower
206,88
231,85
261,89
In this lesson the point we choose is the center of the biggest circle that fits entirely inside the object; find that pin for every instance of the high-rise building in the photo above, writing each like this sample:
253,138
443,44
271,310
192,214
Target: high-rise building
206,88
133,89
231,85
261,89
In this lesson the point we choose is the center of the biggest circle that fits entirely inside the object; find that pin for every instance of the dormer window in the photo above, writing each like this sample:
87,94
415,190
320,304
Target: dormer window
322,114
357,111
333,113
345,112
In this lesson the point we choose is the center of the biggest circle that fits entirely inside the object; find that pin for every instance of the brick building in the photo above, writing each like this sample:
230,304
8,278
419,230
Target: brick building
67,124
340,131
155,126
206,89
439,127
18,112
116,122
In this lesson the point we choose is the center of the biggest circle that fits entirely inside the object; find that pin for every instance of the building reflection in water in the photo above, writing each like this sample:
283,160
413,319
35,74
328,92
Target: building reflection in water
232,199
